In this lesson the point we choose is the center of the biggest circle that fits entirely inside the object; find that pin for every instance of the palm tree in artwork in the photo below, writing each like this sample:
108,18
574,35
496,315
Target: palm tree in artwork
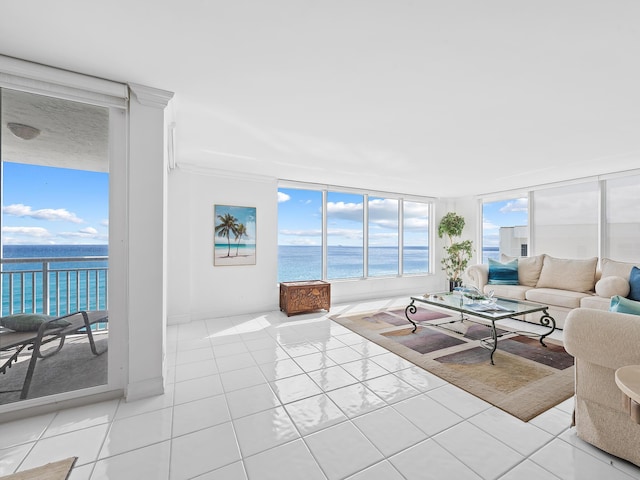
241,231
228,225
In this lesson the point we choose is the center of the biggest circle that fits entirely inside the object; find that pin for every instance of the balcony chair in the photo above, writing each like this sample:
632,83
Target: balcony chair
50,330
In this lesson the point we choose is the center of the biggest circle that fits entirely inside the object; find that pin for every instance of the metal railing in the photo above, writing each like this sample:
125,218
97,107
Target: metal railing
54,286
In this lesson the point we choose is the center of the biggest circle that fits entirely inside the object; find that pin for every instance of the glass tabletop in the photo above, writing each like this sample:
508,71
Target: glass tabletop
492,309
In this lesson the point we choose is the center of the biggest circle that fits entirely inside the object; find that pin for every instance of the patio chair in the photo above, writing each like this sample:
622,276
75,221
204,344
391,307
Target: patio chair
73,323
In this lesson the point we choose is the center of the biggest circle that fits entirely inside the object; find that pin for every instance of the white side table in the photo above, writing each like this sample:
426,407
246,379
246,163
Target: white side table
628,380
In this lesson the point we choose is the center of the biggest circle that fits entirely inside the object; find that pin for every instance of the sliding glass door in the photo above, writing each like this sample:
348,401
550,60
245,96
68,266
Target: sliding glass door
54,186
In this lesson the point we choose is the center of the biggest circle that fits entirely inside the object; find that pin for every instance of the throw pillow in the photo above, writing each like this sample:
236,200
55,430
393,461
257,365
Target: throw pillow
30,322
503,273
613,268
624,305
634,284
568,274
528,268
611,286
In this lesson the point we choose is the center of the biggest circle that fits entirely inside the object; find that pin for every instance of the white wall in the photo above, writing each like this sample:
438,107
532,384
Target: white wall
197,289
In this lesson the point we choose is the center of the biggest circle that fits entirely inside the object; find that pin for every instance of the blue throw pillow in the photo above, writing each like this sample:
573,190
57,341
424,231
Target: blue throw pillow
624,305
634,284
503,273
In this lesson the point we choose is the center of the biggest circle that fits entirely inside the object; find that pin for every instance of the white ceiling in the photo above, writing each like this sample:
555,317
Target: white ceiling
439,98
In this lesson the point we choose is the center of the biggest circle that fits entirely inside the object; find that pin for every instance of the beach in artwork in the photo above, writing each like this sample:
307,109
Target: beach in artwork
245,255
234,235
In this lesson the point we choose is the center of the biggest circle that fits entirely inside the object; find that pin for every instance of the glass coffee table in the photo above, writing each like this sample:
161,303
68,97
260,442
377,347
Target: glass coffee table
492,310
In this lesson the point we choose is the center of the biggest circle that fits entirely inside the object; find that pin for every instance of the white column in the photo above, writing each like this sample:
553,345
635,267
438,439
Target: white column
147,192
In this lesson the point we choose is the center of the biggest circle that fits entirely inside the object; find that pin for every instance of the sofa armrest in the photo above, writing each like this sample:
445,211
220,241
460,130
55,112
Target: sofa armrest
479,275
604,338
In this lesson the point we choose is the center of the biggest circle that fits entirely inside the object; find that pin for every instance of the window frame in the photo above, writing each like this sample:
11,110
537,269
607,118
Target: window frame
366,195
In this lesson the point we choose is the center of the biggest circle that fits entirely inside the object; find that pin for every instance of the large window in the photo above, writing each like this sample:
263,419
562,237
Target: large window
505,228
299,235
55,230
623,218
383,236
415,253
362,235
566,220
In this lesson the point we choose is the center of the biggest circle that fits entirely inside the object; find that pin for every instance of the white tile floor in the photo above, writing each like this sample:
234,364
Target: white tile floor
269,397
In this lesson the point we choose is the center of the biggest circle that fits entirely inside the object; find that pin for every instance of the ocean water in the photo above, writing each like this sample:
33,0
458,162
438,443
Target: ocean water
302,262
84,283
298,262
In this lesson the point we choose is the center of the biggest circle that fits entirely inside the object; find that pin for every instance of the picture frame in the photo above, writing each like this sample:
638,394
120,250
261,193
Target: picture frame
234,235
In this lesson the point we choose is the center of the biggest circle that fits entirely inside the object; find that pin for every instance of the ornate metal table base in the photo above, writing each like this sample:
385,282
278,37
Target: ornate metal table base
490,342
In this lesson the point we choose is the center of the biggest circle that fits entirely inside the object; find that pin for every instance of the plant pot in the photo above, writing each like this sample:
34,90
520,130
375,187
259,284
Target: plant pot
454,283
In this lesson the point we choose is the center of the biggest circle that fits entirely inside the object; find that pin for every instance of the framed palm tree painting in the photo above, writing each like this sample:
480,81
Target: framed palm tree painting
234,237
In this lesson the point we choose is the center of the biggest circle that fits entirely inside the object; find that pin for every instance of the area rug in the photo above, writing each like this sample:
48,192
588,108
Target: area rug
526,380
51,471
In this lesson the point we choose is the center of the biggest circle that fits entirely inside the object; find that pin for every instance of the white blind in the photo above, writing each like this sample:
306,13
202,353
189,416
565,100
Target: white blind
565,221
623,218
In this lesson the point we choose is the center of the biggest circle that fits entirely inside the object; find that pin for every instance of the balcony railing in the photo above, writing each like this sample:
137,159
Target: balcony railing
54,286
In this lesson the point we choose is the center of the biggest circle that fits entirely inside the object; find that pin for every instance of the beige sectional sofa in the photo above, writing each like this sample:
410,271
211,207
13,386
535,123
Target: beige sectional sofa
562,284
602,342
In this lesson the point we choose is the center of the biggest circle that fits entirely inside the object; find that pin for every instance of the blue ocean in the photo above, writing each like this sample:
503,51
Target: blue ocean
72,284
302,262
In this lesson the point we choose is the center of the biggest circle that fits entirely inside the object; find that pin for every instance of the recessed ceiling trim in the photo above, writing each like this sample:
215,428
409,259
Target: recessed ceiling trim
40,79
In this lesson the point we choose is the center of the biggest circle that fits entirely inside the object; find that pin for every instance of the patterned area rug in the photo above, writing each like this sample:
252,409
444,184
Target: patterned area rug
51,471
526,380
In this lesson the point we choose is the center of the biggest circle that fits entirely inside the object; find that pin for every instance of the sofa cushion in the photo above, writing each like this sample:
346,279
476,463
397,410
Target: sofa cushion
612,285
568,274
516,292
596,302
611,268
555,297
503,273
528,268
624,305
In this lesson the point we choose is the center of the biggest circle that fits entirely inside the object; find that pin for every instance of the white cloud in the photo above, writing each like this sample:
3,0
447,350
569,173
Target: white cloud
416,223
85,233
301,233
346,233
383,212
283,197
304,242
346,211
105,222
34,232
416,209
49,214
518,205
487,225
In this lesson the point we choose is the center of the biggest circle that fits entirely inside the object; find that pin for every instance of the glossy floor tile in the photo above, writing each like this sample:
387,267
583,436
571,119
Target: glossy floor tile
266,396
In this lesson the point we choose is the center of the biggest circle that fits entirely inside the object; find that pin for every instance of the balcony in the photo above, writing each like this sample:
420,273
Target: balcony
54,285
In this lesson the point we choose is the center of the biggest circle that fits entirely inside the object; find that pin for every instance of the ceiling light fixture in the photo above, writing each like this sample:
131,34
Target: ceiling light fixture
25,132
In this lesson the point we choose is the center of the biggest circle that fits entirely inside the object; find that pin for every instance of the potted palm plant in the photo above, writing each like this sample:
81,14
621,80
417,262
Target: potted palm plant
457,253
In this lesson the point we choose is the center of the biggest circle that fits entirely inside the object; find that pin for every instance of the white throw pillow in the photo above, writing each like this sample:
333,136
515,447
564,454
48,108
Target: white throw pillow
528,268
611,268
568,274
611,286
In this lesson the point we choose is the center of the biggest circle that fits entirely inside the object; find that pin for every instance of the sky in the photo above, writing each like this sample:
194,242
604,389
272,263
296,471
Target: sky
54,206
300,219
505,213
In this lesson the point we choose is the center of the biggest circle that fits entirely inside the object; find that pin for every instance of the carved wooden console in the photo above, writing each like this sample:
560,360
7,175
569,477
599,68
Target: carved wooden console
306,296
